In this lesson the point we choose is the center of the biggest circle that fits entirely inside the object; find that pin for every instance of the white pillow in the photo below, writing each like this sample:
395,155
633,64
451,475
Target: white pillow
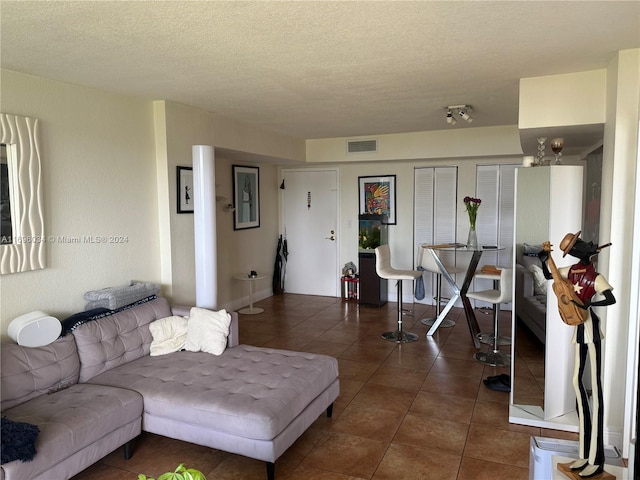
169,335
539,281
207,331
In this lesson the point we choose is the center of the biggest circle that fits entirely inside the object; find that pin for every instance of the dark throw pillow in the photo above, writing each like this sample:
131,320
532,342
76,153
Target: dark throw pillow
18,441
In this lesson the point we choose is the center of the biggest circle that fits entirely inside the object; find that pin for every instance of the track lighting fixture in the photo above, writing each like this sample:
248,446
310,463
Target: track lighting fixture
461,110
465,116
450,119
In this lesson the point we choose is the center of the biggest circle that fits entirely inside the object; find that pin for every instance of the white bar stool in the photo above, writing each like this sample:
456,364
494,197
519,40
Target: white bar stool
426,261
486,337
385,270
495,358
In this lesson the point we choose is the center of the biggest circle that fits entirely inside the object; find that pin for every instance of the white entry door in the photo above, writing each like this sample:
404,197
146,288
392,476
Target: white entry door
310,204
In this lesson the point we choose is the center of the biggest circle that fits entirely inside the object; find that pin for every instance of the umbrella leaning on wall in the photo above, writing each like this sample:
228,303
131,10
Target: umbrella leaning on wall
277,270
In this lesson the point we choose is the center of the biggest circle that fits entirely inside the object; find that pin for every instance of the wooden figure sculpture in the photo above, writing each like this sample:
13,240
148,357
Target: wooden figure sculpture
583,284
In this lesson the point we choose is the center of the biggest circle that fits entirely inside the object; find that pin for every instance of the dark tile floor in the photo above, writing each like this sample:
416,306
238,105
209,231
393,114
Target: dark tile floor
410,411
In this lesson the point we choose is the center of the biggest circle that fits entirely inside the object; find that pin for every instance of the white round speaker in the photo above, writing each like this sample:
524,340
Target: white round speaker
34,329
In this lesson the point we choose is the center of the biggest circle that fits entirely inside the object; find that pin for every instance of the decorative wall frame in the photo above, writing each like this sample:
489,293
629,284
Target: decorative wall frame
22,206
246,197
377,195
184,182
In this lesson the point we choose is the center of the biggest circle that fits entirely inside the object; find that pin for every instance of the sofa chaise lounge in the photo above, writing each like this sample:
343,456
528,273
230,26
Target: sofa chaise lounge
101,380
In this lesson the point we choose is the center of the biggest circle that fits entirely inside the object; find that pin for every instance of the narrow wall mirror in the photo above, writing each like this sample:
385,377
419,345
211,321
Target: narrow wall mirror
22,242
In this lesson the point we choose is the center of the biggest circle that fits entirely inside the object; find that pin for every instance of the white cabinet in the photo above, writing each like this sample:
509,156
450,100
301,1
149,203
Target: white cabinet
548,205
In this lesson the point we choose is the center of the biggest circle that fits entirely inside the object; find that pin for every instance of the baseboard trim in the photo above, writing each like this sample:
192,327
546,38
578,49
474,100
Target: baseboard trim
237,304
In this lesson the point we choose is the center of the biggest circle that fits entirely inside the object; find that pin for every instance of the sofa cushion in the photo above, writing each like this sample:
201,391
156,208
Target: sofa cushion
117,339
527,261
169,335
207,331
539,280
30,372
70,420
247,391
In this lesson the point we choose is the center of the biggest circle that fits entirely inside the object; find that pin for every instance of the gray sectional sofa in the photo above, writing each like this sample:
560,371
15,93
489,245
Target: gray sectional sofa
96,389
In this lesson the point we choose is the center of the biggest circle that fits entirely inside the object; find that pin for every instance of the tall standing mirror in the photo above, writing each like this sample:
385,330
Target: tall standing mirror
22,240
548,204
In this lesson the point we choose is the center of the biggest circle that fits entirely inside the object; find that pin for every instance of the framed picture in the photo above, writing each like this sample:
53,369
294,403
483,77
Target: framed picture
378,196
184,181
246,197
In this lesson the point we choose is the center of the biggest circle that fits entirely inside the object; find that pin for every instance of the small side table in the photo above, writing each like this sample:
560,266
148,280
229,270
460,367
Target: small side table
250,310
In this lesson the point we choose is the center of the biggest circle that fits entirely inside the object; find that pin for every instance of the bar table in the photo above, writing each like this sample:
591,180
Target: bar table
459,292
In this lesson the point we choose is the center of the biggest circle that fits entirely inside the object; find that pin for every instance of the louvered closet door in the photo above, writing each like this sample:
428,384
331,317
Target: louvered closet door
495,187
435,190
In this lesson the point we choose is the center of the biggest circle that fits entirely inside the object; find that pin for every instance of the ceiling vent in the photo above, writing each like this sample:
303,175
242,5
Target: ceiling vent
362,146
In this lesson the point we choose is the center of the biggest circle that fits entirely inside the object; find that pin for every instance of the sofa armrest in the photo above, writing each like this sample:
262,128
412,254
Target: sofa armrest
180,310
523,288
234,337
524,283
232,340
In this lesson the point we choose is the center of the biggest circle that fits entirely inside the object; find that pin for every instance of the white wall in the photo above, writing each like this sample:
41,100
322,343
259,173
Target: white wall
238,250
618,190
400,235
554,100
98,180
450,143
108,166
561,100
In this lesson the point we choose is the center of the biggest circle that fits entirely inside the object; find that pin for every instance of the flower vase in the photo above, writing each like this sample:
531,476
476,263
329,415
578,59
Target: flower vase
472,239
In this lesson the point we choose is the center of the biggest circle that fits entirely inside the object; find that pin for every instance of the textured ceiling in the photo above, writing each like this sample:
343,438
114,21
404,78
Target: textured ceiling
318,69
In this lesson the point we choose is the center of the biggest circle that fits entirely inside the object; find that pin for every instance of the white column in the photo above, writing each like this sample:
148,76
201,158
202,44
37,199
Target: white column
204,222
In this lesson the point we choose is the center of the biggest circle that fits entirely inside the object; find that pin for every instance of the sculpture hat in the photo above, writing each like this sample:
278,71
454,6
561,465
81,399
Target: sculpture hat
568,242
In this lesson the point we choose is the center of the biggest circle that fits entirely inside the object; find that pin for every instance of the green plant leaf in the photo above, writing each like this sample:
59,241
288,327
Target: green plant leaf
193,474
180,473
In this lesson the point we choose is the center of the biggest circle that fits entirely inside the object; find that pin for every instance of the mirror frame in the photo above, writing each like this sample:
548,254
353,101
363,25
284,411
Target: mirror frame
27,251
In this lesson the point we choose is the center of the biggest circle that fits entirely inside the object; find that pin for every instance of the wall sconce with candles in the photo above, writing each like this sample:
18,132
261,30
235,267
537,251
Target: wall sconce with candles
228,206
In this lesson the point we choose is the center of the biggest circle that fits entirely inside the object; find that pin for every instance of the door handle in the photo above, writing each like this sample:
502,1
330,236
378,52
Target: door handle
332,238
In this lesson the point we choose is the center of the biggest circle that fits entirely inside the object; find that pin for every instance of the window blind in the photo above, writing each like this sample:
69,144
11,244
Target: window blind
435,192
495,187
